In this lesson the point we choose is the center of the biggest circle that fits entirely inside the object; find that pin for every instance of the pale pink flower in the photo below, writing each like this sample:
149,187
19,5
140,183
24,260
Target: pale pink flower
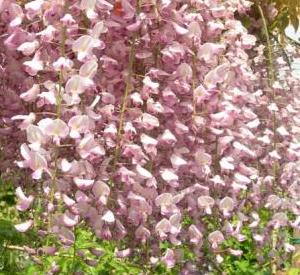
149,122
83,184
68,201
168,138
208,51
149,83
34,8
206,203
101,191
143,173
84,45
216,238
35,65
77,84
88,146
23,227
55,128
123,253
70,219
48,33
35,136
177,161
28,48
162,228
98,29
68,20
279,219
195,234
226,163
16,14
226,205
63,63
78,124
32,94
89,69
34,160
142,233
273,202
169,258
235,252
217,75
26,120
108,217
24,202
169,175
89,7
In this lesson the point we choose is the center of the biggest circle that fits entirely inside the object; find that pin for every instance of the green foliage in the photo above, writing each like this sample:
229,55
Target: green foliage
247,263
12,261
293,271
73,259
288,13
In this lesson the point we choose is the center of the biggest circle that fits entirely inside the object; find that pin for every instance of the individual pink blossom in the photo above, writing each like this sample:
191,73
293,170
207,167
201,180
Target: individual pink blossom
279,219
70,219
84,45
123,253
206,203
148,121
63,63
209,51
16,14
226,205
215,238
35,65
28,48
35,136
26,120
227,163
89,7
55,128
88,146
108,217
83,184
79,124
195,234
169,258
217,75
24,202
23,227
32,94
34,160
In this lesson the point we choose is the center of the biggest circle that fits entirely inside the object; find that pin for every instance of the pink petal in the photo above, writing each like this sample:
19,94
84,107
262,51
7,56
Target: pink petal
31,94
143,172
83,184
168,175
23,227
108,217
70,220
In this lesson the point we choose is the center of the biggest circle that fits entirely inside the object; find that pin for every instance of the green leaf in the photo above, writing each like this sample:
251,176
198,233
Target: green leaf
293,271
295,241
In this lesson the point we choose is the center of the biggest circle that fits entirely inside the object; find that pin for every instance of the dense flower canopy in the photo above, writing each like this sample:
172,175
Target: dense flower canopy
135,116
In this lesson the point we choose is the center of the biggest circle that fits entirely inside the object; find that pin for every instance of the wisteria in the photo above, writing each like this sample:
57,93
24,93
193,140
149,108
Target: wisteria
150,121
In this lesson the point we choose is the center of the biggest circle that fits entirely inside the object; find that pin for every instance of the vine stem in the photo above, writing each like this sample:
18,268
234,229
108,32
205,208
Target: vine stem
74,249
58,114
128,89
271,81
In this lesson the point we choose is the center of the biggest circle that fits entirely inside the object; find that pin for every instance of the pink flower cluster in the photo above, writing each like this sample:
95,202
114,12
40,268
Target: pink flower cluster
140,116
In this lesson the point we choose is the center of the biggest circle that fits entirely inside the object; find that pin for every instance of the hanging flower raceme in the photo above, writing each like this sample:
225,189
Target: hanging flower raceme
136,126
